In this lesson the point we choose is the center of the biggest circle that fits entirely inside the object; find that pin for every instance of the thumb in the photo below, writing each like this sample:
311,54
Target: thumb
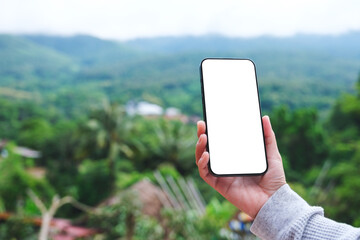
270,140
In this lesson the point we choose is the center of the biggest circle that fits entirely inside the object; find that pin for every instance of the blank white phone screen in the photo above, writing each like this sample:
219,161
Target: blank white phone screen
233,118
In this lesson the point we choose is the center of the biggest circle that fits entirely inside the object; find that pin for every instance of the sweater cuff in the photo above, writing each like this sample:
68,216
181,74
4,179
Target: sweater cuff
280,213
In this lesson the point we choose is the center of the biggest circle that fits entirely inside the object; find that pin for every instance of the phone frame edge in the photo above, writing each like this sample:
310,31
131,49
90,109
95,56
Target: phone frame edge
204,117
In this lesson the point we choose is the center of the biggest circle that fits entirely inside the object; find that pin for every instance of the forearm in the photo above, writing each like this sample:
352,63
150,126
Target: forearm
287,216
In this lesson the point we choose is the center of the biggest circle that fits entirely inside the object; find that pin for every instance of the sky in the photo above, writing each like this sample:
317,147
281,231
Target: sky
129,19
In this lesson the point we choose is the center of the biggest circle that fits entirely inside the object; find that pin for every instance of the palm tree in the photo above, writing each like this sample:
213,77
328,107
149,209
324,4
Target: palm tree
108,128
164,141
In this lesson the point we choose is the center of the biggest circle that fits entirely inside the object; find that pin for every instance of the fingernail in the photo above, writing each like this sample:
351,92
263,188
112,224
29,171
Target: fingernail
200,159
270,122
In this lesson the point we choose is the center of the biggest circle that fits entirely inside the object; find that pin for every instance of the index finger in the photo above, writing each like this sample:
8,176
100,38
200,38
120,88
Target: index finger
201,127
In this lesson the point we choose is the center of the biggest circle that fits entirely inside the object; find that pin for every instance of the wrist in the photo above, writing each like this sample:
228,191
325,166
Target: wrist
268,192
276,216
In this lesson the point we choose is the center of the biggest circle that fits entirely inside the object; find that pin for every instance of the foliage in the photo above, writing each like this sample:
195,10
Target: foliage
13,113
344,199
124,219
108,127
175,224
343,182
72,73
15,181
117,220
51,100
162,141
181,224
301,140
126,179
220,212
94,182
148,228
216,217
35,132
18,228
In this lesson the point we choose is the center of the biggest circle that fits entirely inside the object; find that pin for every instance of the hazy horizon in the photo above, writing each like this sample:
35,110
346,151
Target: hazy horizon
127,20
187,36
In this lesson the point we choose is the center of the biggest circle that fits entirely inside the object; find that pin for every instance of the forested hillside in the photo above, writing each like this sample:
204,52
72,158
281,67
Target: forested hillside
300,71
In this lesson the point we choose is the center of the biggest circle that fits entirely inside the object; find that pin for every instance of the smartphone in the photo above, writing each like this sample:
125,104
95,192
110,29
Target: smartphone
232,113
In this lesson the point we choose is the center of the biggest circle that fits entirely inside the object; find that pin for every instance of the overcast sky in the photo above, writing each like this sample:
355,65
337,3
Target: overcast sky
127,19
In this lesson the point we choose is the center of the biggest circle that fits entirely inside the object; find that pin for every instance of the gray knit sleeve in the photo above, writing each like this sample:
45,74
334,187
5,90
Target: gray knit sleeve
287,216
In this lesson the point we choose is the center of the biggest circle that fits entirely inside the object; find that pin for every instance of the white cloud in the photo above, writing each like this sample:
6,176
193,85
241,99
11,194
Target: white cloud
125,19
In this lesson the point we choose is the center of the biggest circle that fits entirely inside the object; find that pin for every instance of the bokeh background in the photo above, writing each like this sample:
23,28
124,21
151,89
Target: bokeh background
99,102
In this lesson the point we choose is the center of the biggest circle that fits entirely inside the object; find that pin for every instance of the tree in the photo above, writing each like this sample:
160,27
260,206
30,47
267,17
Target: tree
107,129
48,213
35,132
163,141
302,140
343,182
15,180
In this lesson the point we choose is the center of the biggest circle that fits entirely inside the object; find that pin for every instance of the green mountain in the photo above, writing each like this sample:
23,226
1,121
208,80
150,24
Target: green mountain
87,50
299,71
28,66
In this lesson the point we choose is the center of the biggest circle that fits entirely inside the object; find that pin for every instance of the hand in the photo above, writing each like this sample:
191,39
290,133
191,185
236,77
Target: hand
248,193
